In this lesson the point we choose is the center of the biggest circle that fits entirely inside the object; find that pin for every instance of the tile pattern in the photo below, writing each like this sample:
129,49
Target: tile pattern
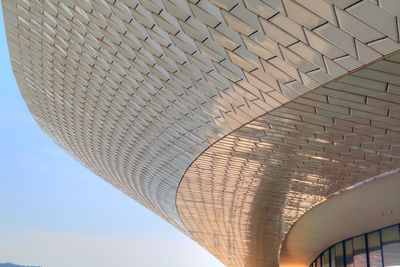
242,195
136,90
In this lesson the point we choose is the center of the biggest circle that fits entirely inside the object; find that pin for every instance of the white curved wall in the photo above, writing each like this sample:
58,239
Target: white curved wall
368,207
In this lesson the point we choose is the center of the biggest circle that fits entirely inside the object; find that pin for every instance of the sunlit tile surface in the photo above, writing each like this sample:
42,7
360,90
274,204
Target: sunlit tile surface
242,195
136,90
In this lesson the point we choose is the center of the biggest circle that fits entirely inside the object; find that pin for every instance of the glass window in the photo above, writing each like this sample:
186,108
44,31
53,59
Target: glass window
374,250
348,245
319,262
380,248
391,234
359,251
333,263
339,257
391,254
391,246
325,259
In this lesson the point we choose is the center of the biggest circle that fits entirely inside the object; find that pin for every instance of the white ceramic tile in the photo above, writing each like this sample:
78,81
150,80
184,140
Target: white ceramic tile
260,8
337,37
289,26
365,53
333,68
321,8
258,49
357,28
302,15
381,20
343,4
308,53
238,25
277,34
323,46
348,63
391,6
297,61
384,46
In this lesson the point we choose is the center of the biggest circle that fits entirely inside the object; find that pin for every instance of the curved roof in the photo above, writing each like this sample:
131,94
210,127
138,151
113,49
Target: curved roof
138,90
242,195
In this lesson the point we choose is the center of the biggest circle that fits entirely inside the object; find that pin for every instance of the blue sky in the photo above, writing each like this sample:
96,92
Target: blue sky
54,212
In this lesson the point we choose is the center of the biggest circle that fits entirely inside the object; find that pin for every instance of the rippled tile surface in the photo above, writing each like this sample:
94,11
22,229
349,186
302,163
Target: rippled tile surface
241,196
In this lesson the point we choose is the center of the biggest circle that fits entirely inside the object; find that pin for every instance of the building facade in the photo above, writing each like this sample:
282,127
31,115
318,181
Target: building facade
254,126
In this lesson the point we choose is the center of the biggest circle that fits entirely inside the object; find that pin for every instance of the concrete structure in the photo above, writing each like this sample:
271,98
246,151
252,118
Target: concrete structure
229,119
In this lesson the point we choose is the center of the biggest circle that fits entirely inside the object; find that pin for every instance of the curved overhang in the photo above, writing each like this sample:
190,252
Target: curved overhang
243,194
156,95
371,205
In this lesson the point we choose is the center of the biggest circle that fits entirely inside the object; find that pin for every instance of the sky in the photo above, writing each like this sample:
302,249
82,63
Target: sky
54,212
